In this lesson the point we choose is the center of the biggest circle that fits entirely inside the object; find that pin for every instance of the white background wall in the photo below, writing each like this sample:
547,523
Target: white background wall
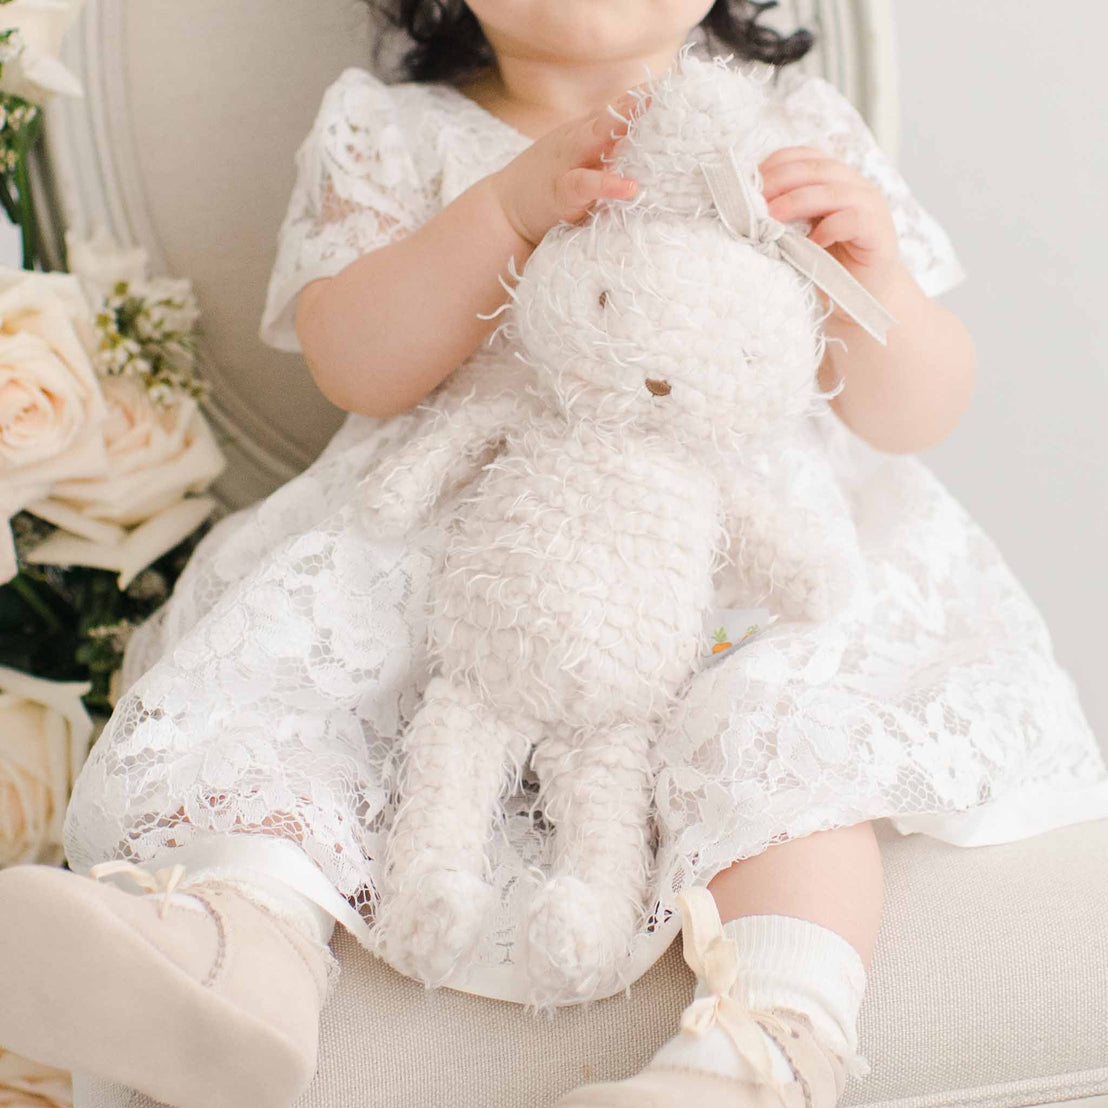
1003,138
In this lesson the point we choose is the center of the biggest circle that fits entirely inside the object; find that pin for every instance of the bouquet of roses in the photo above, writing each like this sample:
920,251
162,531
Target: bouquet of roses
103,452
104,458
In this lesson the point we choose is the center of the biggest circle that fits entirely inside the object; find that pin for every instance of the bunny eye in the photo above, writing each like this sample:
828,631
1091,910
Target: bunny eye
602,299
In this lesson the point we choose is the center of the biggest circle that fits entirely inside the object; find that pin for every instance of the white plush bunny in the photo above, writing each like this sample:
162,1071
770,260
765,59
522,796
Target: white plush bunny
609,485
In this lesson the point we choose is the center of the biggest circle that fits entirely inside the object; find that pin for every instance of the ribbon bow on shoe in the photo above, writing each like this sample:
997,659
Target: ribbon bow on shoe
714,958
165,881
737,204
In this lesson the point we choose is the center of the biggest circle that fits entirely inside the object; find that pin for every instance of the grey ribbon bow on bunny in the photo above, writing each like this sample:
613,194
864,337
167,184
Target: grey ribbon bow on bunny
734,200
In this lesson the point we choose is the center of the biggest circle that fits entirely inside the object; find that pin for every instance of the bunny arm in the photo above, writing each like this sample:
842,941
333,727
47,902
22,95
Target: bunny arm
802,562
447,445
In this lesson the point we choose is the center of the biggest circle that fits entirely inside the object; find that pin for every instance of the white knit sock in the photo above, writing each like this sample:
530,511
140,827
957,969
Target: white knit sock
793,963
783,963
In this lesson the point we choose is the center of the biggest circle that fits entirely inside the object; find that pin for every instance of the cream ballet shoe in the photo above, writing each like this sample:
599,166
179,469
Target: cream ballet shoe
199,1001
819,1073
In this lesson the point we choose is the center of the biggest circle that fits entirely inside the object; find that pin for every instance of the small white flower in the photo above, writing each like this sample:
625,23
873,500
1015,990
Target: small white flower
35,73
10,47
100,264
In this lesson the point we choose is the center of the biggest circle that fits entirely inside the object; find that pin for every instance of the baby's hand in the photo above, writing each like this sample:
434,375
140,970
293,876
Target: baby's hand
850,214
561,174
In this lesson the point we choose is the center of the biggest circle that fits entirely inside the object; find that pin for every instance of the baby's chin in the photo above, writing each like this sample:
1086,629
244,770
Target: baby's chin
589,31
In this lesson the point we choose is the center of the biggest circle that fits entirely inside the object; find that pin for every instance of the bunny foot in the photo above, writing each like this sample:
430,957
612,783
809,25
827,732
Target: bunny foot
427,927
573,942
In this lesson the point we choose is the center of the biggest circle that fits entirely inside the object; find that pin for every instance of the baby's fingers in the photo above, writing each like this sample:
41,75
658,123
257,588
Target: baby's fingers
596,135
576,190
631,104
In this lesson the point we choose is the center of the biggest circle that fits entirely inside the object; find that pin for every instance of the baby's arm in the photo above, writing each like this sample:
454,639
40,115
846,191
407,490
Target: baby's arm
386,330
909,394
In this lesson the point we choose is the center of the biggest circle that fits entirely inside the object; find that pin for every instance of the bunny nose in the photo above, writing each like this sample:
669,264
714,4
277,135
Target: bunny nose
658,388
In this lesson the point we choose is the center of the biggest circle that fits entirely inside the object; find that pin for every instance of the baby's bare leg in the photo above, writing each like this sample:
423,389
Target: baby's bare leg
833,878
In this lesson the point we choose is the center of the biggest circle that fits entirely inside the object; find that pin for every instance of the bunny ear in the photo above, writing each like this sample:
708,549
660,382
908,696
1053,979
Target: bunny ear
743,211
699,112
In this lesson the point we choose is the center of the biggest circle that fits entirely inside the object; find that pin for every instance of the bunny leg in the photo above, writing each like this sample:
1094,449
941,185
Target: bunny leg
458,757
597,793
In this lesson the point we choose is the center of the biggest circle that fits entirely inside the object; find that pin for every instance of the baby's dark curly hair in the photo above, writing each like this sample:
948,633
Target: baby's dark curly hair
447,43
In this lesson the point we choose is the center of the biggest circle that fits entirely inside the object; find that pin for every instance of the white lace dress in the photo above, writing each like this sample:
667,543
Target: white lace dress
265,699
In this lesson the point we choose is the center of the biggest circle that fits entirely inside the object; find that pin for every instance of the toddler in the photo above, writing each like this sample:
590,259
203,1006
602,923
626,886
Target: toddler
243,788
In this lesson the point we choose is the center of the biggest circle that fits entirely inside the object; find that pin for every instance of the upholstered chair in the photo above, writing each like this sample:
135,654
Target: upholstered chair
989,986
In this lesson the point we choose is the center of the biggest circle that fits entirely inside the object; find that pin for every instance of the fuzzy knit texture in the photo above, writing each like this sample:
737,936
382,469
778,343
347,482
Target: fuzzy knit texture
579,564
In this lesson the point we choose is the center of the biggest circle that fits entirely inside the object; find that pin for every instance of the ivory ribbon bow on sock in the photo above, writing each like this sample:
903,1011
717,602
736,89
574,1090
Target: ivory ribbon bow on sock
715,960
735,201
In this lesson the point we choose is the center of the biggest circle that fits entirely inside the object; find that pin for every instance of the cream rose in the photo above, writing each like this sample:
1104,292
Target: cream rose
52,410
156,453
138,510
44,739
26,1084
35,72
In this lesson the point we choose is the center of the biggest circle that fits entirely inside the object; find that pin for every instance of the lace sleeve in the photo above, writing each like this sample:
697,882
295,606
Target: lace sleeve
356,188
826,119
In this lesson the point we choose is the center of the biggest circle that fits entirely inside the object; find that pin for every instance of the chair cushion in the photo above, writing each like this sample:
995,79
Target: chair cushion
989,987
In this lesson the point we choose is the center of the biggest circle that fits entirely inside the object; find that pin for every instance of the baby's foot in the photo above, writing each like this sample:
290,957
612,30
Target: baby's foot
727,1055
202,1001
756,1060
